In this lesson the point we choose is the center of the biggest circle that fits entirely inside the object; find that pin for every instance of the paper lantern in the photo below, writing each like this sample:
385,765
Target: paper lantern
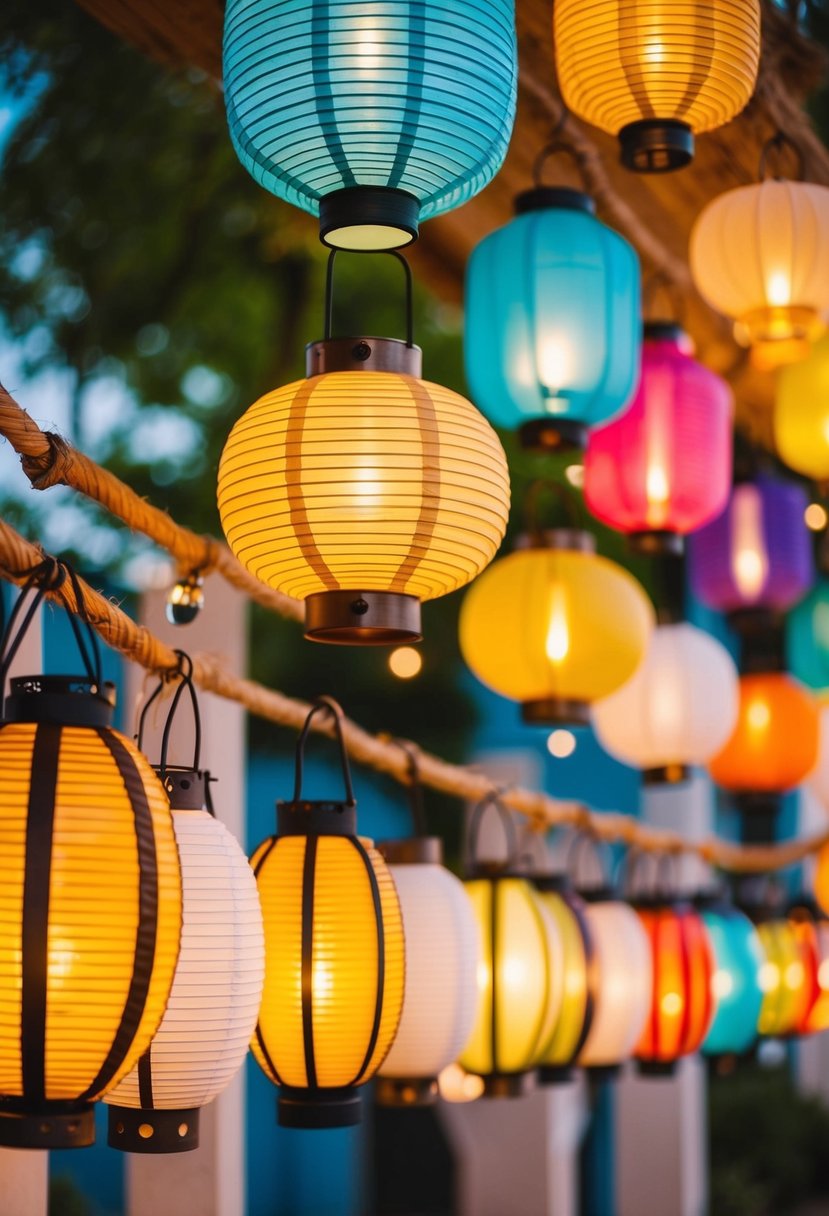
569,914
211,1013
787,993
555,627
682,1003
663,468
735,981
363,490
90,908
655,74
372,115
807,638
801,413
774,744
757,553
552,323
678,708
811,930
623,983
334,955
442,956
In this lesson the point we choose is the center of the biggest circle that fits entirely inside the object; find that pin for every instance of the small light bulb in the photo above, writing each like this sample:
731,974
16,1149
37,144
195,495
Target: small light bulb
561,744
815,517
575,475
405,662
185,600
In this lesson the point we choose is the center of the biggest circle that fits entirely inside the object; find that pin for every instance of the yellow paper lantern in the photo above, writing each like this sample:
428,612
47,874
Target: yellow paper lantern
801,413
655,73
568,913
555,626
784,979
334,956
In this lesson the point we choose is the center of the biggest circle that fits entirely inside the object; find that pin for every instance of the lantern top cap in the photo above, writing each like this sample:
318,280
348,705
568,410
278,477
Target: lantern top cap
413,850
315,818
663,331
186,788
574,540
63,700
554,198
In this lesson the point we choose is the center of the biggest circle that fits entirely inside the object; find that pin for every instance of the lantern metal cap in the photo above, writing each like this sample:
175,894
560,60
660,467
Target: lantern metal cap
559,883
560,198
602,1072
64,700
309,1108
508,1084
369,218
663,331
405,1091
53,1125
316,818
656,542
555,711
363,354
185,787
153,1131
555,1074
656,1068
574,540
656,145
553,435
362,618
413,851
666,774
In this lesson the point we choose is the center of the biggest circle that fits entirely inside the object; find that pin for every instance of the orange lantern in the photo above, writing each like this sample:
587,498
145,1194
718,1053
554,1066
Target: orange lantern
822,879
775,742
682,966
811,931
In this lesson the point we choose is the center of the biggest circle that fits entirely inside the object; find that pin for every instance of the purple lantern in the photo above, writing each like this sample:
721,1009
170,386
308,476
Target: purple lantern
757,553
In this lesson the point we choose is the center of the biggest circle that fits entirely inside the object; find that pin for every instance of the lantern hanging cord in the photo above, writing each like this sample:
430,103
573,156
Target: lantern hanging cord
18,557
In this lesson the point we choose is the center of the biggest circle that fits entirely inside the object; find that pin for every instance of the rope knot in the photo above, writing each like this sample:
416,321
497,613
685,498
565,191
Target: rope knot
52,467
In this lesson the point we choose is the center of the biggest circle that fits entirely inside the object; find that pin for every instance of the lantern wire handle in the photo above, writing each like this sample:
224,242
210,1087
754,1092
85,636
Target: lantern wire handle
777,143
562,496
584,842
660,883
185,675
417,807
533,843
559,147
329,292
491,798
660,286
332,707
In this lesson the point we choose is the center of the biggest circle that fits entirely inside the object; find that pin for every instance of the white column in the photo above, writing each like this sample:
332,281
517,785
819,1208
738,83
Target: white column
812,1054
24,1173
211,1180
662,1121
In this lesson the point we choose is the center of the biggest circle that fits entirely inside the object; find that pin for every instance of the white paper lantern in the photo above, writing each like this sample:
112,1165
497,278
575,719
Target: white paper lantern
211,1013
679,707
442,955
622,959
818,779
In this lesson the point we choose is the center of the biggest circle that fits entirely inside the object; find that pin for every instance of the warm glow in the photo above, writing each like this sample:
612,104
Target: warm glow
793,976
457,1085
657,484
815,515
750,558
557,643
555,364
671,1004
774,744
769,977
778,288
561,744
758,715
405,662
575,475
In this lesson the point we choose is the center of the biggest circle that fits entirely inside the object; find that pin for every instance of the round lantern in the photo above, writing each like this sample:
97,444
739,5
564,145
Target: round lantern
554,626
569,914
787,990
663,468
736,979
364,114
811,930
552,321
334,955
623,982
90,908
363,490
801,413
678,708
807,638
774,744
655,74
757,553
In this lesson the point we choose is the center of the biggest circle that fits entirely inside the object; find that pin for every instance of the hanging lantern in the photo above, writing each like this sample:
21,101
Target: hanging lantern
442,957
678,708
663,468
569,914
811,929
554,626
784,979
363,489
211,1013
334,954
90,903
758,553
655,74
760,254
552,324
774,744
736,979
374,115
801,413
807,638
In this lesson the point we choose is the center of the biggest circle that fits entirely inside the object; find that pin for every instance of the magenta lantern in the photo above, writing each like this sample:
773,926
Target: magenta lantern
663,467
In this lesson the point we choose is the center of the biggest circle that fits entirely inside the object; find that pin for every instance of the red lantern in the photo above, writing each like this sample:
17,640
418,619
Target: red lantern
681,1004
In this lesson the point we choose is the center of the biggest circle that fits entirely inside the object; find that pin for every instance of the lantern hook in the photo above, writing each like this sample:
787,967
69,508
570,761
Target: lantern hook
492,798
184,672
329,291
415,786
562,496
329,705
559,147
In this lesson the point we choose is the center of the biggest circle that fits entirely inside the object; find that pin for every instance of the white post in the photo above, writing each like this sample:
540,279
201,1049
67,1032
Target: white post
812,1055
209,1181
24,1173
663,1120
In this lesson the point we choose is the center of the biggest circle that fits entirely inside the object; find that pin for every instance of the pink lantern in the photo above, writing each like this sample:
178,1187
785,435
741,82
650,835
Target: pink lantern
663,468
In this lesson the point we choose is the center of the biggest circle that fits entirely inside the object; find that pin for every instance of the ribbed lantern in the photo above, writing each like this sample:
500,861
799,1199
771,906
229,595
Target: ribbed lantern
758,552
801,413
678,708
787,993
812,932
569,914
552,323
555,626
334,955
372,115
807,638
623,982
655,74
663,468
363,490
774,744
735,981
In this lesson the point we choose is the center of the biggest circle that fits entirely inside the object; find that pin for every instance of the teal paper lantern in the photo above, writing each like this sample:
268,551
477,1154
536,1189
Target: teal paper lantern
807,638
372,115
553,322
738,960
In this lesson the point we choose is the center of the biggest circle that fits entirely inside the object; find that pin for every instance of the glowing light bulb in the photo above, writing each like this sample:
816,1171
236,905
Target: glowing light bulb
405,662
751,561
657,484
561,744
554,364
815,515
758,716
557,643
778,288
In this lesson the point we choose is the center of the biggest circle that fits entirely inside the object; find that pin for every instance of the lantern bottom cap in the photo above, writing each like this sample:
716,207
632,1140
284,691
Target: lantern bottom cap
310,1108
673,773
656,542
136,1130
555,1074
602,1072
656,145
656,1068
553,435
362,618
368,218
54,1125
405,1091
508,1084
555,711
787,329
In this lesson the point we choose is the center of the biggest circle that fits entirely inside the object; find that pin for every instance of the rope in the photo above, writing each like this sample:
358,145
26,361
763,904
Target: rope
118,630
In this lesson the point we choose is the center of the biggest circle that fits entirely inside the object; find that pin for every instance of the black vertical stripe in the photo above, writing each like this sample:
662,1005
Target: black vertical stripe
323,92
145,1081
415,72
35,921
381,958
308,871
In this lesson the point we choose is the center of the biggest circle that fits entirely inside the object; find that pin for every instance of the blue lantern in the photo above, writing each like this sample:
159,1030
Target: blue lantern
372,114
553,320
738,959
807,638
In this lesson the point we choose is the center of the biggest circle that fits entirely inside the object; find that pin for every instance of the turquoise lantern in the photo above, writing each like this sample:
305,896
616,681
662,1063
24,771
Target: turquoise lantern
553,319
738,961
373,115
807,638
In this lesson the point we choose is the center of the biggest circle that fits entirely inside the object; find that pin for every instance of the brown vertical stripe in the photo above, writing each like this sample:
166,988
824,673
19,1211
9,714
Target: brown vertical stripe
427,426
380,987
295,492
704,28
629,45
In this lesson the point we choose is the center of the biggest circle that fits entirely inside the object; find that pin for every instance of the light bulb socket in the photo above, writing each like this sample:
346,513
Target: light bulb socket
555,1074
656,1068
508,1084
412,851
52,1125
62,700
316,818
553,435
558,198
136,1130
555,711
362,618
673,773
363,354
318,1108
656,542
186,788
368,219
405,1091
656,145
